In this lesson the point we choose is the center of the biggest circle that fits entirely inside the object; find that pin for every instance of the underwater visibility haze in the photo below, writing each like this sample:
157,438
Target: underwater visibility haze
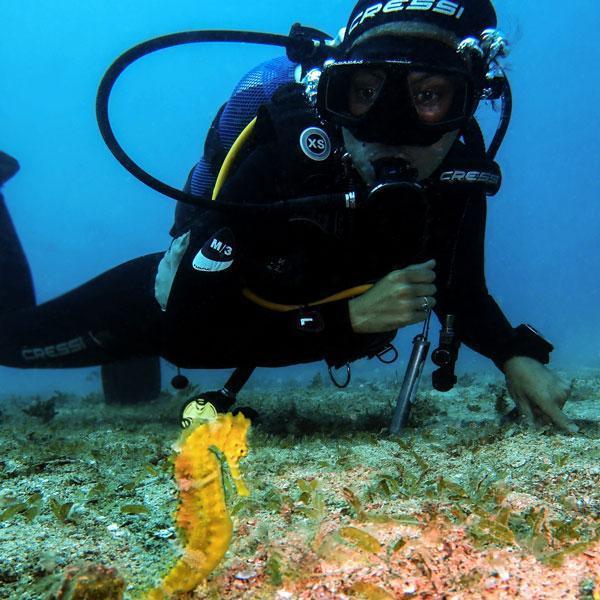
313,499
78,212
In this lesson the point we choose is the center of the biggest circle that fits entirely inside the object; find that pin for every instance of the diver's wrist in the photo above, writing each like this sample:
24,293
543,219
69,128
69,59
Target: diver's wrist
525,342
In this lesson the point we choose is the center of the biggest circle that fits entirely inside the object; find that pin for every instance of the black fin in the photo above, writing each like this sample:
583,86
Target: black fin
16,283
8,167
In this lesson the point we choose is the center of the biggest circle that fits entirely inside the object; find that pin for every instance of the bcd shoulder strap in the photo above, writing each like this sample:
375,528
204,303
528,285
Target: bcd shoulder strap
307,144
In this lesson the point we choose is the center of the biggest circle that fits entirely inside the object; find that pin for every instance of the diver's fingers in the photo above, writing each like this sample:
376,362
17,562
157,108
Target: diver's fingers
422,290
559,418
564,391
525,410
423,273
523,405
423,304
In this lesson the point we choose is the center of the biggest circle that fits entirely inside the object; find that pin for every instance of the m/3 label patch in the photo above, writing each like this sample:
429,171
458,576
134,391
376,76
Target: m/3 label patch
217,254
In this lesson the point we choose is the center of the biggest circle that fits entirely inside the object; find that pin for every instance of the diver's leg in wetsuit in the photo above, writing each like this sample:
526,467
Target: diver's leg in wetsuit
111,318
130,381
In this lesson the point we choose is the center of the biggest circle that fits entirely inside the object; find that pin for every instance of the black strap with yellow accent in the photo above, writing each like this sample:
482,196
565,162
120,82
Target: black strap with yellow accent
205,406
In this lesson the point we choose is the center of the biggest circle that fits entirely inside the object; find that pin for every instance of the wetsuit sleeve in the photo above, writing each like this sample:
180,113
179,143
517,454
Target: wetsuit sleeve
480,323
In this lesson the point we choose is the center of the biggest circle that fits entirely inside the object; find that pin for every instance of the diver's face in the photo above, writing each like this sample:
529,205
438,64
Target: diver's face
425,159
431,94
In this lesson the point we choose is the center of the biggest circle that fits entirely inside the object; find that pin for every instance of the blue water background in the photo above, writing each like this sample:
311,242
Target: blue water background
79,213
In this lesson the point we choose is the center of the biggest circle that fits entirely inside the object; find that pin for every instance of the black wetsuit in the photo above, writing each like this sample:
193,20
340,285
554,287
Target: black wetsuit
209,321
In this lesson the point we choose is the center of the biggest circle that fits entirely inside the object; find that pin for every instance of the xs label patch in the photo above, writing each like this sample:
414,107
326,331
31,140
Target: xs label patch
315,143
217,254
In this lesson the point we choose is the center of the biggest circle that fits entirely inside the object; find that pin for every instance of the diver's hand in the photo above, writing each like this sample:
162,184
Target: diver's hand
538,392
395,301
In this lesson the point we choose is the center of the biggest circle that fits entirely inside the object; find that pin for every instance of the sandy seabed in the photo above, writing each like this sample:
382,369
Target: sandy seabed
463,505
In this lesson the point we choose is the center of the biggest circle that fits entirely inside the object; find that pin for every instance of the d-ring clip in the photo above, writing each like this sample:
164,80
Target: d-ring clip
346,383
388,355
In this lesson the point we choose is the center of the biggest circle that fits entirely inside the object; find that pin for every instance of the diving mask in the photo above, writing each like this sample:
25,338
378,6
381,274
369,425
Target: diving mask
395,101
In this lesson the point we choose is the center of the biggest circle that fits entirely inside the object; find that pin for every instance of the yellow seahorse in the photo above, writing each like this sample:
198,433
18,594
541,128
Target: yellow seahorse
202,515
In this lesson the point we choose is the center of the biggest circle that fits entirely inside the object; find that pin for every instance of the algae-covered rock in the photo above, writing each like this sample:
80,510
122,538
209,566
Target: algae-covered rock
90,582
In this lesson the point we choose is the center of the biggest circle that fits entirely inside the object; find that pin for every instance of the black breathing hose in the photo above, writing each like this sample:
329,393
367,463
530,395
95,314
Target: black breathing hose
299,46
507,105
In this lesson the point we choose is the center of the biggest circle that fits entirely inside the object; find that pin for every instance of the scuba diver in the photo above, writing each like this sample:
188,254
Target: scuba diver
340,198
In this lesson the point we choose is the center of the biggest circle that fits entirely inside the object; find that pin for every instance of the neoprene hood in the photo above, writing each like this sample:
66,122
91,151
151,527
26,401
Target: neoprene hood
462,19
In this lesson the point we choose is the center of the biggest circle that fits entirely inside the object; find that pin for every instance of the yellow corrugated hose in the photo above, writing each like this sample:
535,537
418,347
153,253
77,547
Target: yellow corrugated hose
231,156
351,293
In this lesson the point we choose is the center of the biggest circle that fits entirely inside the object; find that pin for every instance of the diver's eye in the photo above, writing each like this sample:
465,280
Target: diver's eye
365,87
433,96
427,98
366,94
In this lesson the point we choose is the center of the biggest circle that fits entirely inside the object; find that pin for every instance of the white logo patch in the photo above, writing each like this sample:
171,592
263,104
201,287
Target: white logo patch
470,177
442,7
315,143
217,254
54,351
203,263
